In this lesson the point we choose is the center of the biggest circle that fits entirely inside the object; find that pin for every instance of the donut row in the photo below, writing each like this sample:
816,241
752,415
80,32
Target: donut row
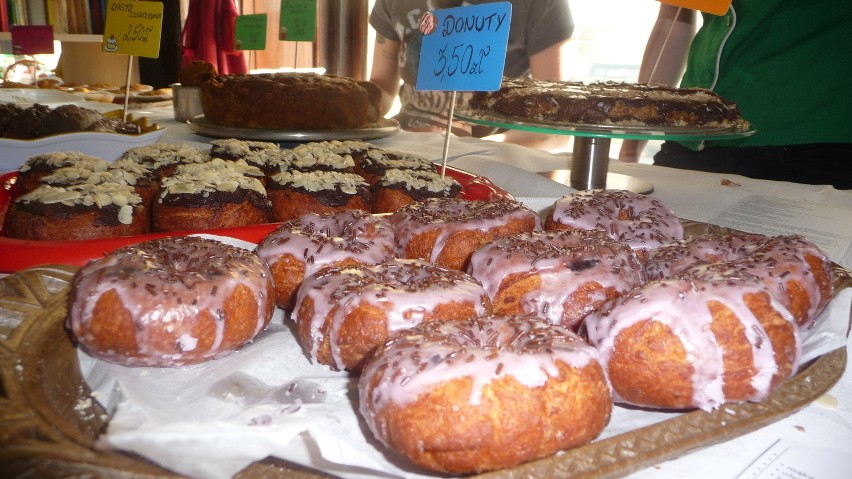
484,336
174,187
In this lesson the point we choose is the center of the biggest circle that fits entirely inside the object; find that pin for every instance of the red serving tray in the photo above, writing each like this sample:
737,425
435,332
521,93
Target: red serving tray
18,254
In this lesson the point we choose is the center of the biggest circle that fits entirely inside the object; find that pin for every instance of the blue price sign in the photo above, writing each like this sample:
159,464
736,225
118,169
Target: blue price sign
464,48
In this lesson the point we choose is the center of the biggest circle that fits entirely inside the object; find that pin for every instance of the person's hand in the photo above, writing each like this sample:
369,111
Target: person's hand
631,151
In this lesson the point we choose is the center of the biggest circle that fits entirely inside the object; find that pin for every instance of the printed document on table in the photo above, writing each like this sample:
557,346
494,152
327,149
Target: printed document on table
827,226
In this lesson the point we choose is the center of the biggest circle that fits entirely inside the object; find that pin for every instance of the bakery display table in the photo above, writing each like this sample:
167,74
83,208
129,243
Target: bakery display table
819,430
589,160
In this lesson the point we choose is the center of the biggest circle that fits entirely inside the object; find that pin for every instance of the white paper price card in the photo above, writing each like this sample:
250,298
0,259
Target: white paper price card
464,48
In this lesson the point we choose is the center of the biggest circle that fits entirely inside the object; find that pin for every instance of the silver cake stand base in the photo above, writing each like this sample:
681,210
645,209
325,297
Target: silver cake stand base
590,169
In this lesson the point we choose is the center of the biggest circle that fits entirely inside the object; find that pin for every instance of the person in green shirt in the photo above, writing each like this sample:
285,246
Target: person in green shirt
787,65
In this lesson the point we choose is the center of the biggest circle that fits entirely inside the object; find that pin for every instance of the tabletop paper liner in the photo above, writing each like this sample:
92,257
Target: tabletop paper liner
268,399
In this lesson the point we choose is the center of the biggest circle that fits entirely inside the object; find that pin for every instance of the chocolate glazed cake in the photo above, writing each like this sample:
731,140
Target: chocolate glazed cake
608,103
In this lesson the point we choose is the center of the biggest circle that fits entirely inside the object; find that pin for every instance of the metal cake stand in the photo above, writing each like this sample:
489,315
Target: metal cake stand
589,160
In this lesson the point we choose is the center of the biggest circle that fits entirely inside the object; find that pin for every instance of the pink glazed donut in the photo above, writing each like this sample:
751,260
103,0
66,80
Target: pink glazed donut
795,271
300,247
343,312
484,393
446,231
641,221
170,302
560,276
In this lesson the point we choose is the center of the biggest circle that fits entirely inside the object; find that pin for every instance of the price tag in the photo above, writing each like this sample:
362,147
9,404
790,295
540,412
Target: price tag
298,20
464,48
32,39
716,7
133,28
250,33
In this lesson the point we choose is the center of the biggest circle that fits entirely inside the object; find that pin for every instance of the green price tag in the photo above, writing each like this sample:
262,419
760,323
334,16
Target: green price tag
133,28
250,32
298,22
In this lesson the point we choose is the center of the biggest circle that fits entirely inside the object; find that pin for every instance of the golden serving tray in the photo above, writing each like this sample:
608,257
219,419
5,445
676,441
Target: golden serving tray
49,422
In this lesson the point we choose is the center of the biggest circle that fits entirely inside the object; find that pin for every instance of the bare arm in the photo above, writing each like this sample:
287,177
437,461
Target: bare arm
548,64
385,70
664,60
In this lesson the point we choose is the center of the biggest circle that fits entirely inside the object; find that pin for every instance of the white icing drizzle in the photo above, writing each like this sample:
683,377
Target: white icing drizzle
481,349
641,221
775,261
323,239
165,285
681,305
406,290
453,215
564,261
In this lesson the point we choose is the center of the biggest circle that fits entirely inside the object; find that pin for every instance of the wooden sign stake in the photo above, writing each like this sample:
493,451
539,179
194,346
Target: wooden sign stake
127,87
447,134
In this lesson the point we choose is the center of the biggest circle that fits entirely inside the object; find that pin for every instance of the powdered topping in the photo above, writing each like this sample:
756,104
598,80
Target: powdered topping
312,157
59,159
232,148
565,262
166,284
101,195
641,221
159,155
71,175
378,161
314,181
405,290
345,147
214,176
482,350
428,182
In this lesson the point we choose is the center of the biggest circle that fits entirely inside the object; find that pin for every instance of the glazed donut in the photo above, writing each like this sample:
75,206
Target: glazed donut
170,302
398,188
77,212
215,194
699,342
796,271
446,231
311,157
484,393
641,221
377,162
36,167
355,149
298,248
295,193
164,158
560,276
343,312
233,149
